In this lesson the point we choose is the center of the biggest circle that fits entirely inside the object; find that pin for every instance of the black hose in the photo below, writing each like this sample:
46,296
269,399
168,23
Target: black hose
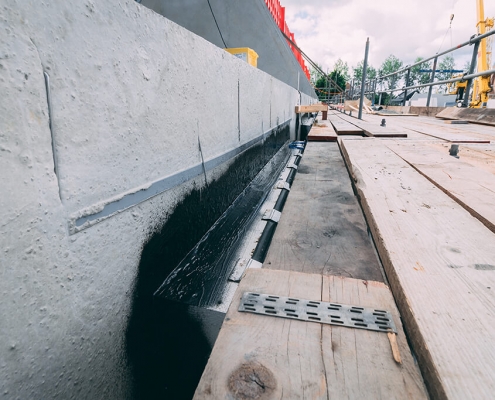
266,237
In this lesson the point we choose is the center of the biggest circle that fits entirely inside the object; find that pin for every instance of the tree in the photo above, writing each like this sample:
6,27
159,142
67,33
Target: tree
391,64
357,72
325,88
342,69
321,88
314,75
448,64
417,77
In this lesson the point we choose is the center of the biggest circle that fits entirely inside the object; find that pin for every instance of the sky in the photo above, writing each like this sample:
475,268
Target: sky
327,30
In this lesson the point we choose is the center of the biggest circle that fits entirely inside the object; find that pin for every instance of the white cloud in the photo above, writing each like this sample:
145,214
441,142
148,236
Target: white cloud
327,30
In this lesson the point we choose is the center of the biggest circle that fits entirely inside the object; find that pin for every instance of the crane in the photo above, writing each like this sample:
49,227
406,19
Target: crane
481,85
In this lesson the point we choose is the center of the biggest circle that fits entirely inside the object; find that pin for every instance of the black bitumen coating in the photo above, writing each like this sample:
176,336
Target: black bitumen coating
166,347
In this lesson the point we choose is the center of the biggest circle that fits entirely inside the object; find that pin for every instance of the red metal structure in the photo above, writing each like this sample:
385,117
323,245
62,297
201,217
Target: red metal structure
278,14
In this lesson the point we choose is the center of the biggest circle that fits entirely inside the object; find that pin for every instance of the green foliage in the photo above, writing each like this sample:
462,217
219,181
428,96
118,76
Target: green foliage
314,75
342,69
448,63
391,64
385,99
357,72
339,75
420,78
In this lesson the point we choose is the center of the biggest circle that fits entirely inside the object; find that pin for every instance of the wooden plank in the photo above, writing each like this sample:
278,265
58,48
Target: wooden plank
263,357
343,127
338,344
322,132
439,131
322,229
472,188
385,114
311,108
474,115
481,156
440,262
374,129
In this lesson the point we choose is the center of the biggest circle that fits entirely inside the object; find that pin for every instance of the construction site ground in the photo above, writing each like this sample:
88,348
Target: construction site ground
381,216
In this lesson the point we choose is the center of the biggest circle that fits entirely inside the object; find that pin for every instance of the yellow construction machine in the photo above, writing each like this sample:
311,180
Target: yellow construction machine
482,85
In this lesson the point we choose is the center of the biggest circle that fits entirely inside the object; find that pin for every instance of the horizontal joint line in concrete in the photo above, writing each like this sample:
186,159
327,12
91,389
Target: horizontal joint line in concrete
129,200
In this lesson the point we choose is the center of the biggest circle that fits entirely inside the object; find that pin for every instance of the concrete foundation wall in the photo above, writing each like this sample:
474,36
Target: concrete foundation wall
130,94
239,23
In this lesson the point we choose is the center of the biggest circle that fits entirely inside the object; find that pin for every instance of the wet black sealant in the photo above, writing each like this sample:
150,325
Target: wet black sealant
202,275
167,342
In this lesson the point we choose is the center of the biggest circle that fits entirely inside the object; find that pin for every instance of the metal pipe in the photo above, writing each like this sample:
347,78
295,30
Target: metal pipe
474,39
465,101
407,83
363,80
374,91
462,78
430,89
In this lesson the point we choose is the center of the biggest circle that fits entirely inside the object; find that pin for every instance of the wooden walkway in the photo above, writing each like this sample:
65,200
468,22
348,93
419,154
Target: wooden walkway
432,220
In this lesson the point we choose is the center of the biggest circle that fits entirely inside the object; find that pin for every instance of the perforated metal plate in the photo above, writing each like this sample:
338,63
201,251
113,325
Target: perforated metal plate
318,311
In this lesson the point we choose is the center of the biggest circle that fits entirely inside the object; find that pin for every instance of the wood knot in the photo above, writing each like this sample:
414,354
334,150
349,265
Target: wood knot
252,381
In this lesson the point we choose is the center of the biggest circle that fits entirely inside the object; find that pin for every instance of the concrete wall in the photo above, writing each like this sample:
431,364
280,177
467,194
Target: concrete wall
130,94
242,24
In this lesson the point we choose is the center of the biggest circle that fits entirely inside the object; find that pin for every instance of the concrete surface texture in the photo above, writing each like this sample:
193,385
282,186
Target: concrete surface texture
130,93
241,23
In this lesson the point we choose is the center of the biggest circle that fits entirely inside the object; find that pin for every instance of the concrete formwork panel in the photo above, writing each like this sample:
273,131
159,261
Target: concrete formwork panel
130,94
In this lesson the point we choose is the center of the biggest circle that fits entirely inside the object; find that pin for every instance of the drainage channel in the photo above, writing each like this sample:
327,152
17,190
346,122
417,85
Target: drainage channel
189,307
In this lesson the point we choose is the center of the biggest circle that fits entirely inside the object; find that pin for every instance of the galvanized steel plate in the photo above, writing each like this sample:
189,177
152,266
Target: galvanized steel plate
318,311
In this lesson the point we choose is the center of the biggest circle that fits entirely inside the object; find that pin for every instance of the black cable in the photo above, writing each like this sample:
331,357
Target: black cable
216,23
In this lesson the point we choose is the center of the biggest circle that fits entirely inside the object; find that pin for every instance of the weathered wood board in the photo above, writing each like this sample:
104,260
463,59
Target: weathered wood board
451,134
343,127
440,262
385,114
475,115
311,108
472,188
481,156
322,228
265,357
374,129
322,132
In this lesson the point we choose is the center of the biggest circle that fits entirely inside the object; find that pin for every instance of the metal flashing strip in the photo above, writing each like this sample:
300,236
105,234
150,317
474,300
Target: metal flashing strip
283,185
85,219
254,264
318,311
272,215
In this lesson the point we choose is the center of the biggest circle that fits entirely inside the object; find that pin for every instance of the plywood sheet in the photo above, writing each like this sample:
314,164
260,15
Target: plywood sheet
264,357
322,228
440,262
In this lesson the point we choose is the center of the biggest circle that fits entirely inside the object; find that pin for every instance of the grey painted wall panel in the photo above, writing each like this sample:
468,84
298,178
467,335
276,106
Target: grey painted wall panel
242,24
